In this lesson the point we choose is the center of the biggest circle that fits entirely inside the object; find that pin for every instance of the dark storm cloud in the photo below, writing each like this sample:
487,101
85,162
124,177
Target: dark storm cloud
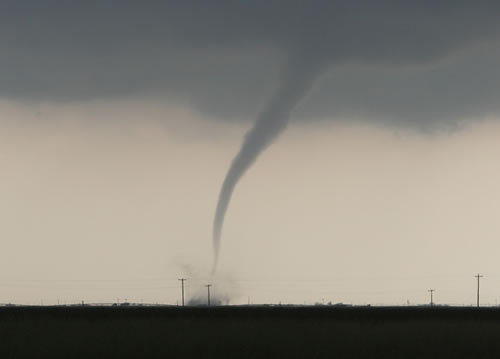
404,60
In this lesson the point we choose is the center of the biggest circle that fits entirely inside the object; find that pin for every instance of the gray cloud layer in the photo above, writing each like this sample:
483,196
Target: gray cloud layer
399,60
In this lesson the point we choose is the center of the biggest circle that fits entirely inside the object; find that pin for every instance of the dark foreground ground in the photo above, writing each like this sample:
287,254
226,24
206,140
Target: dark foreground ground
249,332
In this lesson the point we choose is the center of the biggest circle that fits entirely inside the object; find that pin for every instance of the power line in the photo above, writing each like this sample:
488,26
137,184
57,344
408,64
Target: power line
182,281
478,276
208,294
431,291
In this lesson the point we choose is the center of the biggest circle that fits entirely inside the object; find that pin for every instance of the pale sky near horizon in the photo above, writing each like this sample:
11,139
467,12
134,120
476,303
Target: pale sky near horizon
360,138
343,212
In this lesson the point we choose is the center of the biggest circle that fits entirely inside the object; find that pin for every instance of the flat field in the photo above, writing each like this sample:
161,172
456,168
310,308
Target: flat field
249,332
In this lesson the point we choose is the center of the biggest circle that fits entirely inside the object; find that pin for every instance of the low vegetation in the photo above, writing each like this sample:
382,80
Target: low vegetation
248,332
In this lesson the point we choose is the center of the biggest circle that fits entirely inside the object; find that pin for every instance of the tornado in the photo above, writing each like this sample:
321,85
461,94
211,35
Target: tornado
296,80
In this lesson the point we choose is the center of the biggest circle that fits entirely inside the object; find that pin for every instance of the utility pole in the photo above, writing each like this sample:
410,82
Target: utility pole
208,298
431,291
478,276
182,281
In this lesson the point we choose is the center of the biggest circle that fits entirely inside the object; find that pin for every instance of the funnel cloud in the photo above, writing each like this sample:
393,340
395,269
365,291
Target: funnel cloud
297,79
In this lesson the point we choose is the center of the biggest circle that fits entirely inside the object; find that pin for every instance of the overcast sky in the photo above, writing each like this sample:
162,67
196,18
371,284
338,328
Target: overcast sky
120,119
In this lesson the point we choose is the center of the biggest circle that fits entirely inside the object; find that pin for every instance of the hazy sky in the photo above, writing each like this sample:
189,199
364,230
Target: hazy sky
119,120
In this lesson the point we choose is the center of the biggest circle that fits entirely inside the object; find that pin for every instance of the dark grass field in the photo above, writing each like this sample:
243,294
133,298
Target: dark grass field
249,332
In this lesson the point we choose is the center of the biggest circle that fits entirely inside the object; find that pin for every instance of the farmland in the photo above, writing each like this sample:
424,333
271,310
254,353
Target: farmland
249,332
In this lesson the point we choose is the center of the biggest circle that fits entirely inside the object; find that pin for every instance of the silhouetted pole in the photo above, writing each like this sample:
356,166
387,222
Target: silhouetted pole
208,297
478,276
431,291
182,281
